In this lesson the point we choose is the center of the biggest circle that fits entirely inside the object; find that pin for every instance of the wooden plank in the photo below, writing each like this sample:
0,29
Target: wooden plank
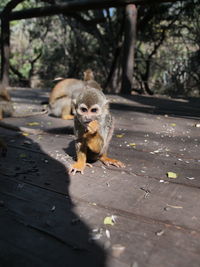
146,243
32,230
117,189
143,244
157,222
107,186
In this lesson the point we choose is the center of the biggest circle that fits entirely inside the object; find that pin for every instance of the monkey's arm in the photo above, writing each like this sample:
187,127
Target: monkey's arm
108,161
80,164
103,157
93,138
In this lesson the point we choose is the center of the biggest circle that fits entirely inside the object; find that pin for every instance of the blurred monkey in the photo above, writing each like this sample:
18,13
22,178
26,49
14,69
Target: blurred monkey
6,110
6,107
61,97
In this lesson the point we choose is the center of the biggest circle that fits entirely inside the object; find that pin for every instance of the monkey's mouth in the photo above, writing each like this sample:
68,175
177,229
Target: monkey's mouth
86,122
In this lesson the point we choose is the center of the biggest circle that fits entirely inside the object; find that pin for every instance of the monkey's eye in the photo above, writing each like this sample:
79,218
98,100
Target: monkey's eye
94,110
84,110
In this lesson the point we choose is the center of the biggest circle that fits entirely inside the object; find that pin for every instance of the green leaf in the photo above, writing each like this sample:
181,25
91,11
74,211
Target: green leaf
33,123
172,175
108,220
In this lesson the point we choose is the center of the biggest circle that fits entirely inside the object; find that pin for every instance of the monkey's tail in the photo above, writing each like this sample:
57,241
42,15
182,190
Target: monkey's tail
42,112
20,129
58,79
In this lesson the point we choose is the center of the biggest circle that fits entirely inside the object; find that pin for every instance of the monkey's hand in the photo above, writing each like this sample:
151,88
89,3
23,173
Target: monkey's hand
78,167
108,161
93,127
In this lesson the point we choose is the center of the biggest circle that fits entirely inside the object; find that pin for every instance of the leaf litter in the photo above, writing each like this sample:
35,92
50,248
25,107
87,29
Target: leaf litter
171,175
33,123
110,220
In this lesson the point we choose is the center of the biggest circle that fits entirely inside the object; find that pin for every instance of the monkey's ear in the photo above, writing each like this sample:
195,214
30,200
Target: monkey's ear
73,104
106,104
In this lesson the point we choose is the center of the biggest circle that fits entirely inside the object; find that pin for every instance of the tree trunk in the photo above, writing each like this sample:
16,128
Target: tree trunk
113,83
5,40
129,48
5,51
145,77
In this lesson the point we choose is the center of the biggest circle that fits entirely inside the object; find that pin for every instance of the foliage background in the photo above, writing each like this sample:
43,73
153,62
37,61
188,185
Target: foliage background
167,52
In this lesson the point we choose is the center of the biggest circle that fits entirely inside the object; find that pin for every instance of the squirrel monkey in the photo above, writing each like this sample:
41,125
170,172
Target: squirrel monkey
93,127
65,91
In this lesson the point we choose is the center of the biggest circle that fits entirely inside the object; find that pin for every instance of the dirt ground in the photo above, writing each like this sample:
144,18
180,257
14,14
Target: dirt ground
108,217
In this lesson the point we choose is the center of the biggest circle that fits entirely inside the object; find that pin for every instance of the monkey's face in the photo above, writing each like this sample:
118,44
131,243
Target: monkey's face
91,105
87,114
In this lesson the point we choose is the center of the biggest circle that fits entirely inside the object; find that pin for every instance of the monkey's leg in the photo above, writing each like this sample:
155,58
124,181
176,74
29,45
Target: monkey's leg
61,108
104,158
108,161
80,165
66,112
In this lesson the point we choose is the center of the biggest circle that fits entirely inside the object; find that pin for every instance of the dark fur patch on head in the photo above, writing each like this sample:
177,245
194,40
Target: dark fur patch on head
91,97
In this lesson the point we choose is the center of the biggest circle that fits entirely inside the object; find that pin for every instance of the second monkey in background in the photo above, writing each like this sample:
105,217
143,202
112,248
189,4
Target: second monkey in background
66,91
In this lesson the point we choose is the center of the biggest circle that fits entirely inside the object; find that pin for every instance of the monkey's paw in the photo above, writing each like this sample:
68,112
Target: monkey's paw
93,127
108,161
78,167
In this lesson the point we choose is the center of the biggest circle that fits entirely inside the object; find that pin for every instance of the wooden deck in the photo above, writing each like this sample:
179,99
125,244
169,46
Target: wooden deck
48,218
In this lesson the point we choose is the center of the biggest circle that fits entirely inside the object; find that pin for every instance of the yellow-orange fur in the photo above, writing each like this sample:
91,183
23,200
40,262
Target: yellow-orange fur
62,96
6,108
93,139
65,88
